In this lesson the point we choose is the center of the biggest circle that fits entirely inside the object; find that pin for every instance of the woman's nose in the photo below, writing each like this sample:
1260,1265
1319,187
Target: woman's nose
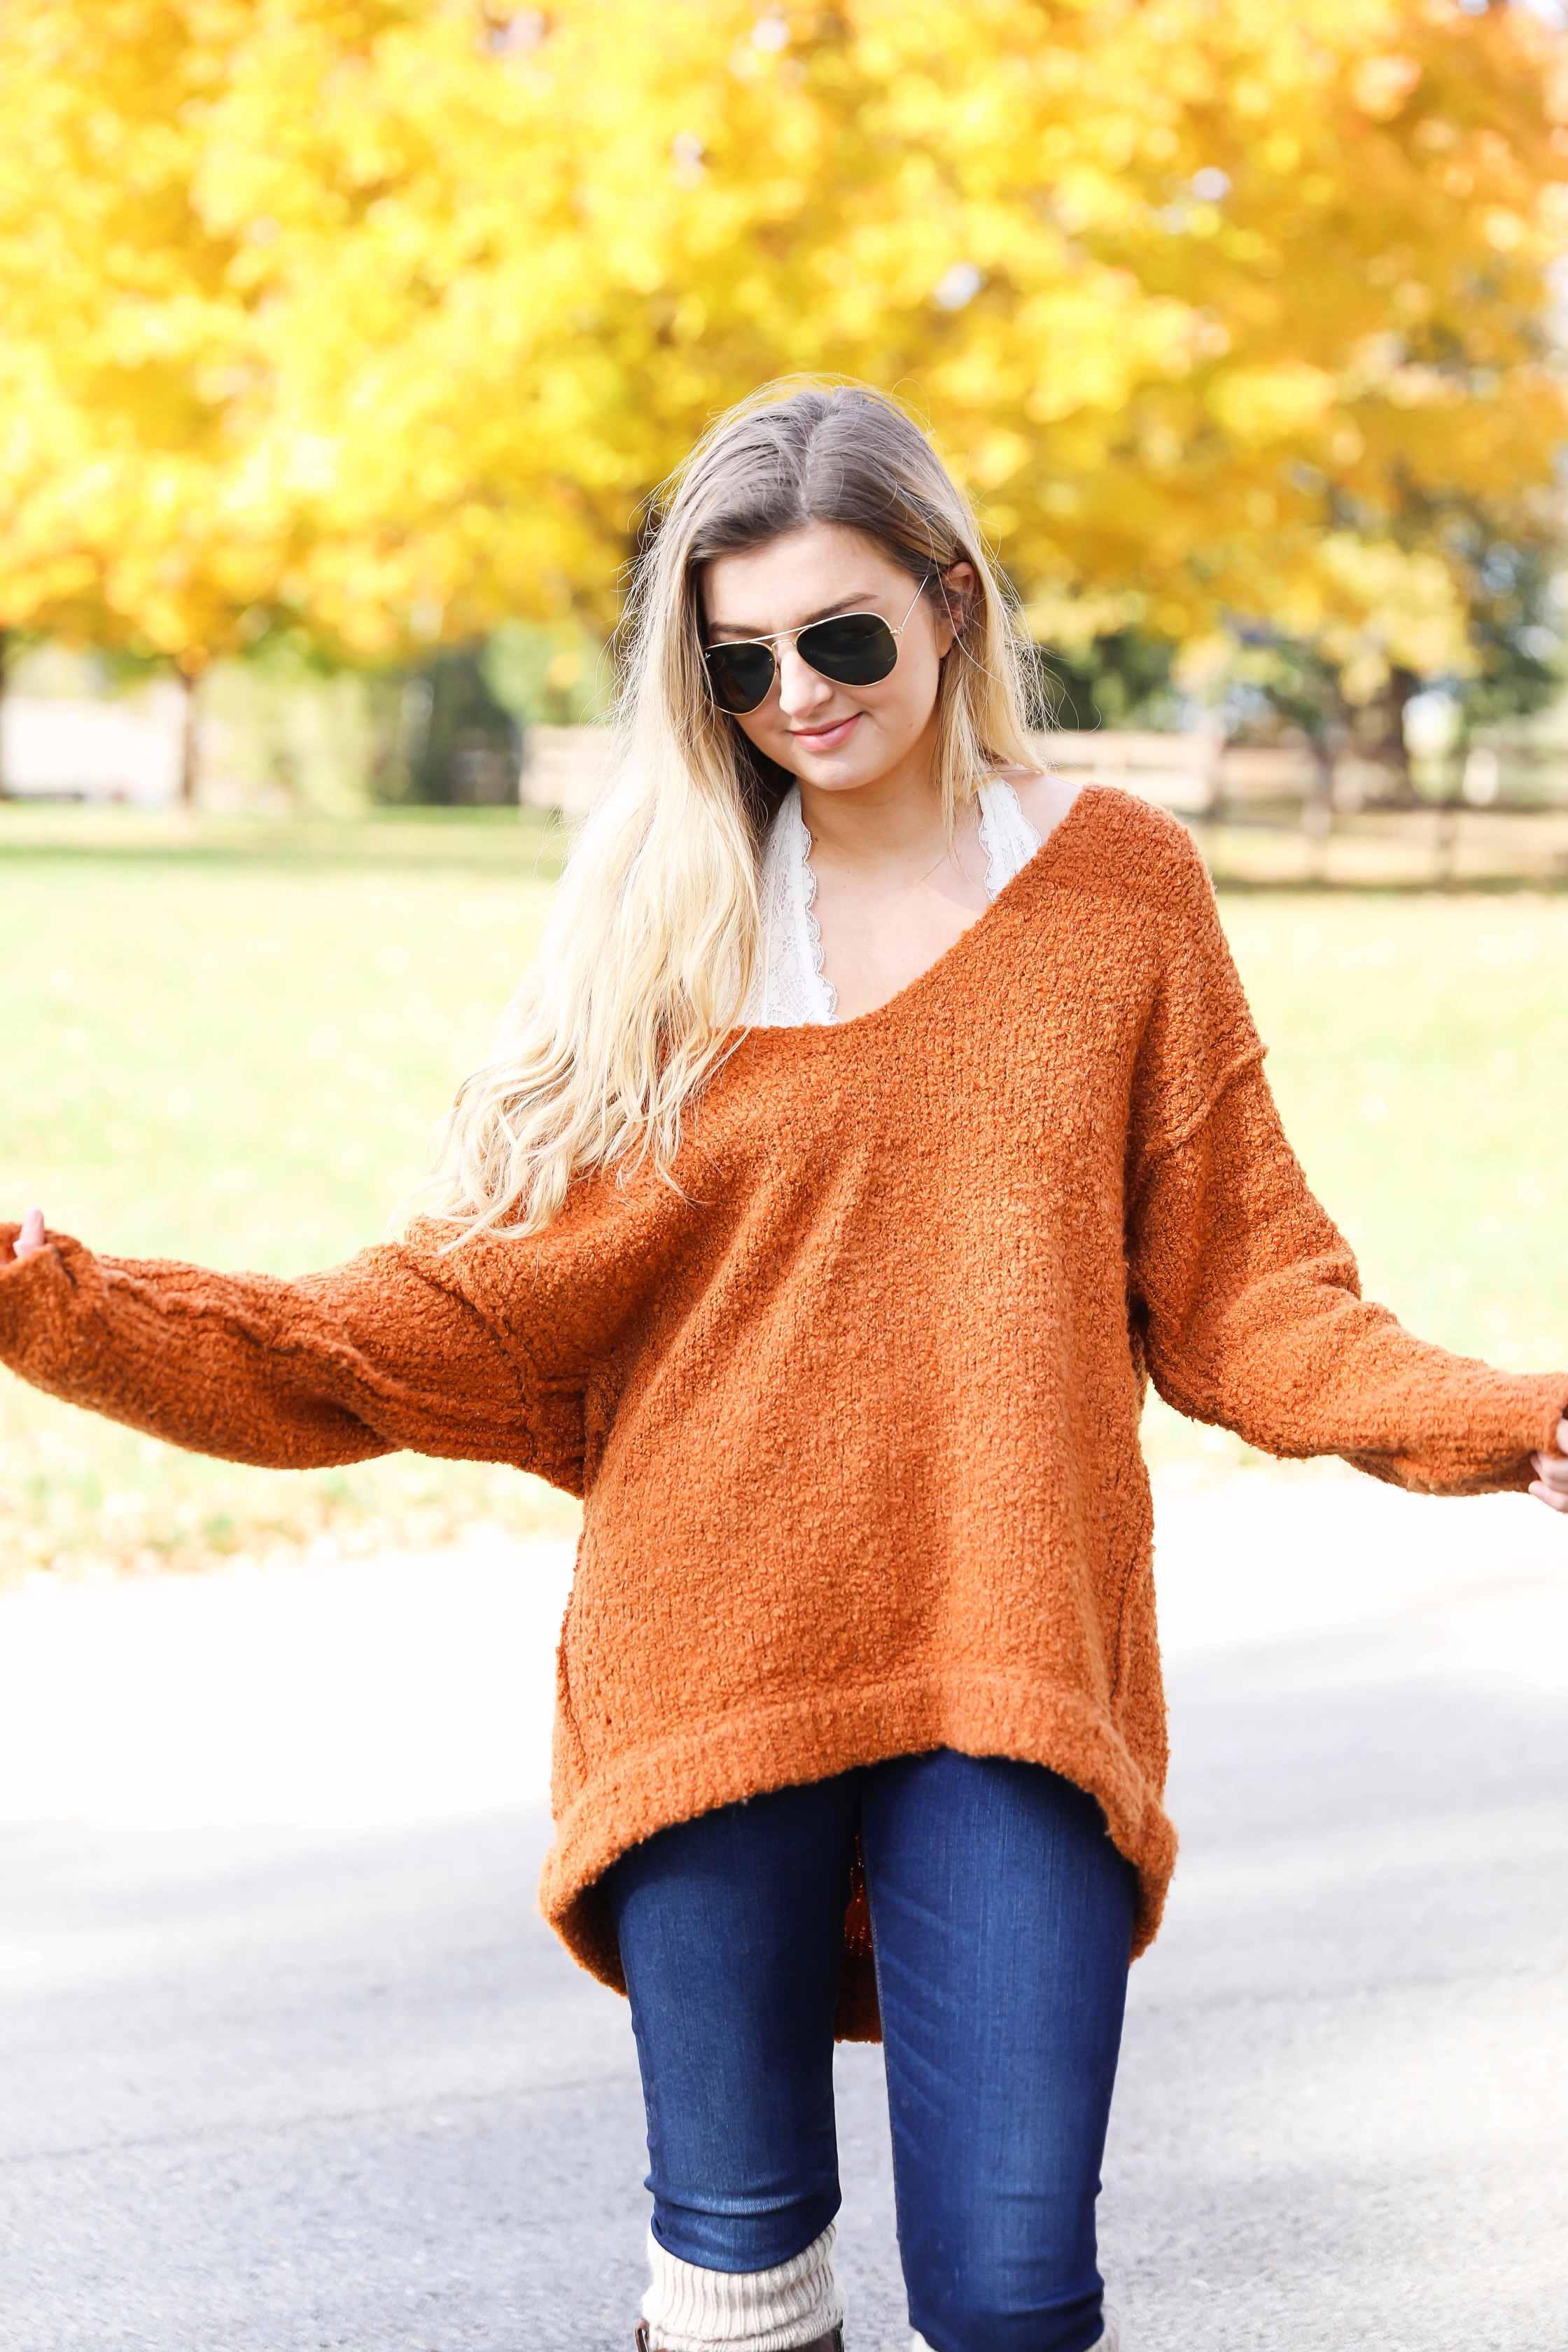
801,688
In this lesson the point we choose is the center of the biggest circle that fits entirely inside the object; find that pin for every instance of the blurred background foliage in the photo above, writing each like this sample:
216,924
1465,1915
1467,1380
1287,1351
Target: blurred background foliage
358,333
345,344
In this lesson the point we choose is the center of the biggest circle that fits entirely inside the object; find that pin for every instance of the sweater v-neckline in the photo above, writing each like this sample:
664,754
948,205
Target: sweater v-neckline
1032,869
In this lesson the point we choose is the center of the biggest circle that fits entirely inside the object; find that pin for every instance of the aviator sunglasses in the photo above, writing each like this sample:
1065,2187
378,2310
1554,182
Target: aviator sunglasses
851,648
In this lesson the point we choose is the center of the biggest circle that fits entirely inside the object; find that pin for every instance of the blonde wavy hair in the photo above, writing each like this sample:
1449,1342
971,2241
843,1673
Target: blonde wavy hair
655,934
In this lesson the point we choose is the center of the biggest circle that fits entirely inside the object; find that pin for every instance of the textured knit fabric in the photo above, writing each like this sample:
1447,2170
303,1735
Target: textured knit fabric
790,985
688,2309
1110,2338
854,1409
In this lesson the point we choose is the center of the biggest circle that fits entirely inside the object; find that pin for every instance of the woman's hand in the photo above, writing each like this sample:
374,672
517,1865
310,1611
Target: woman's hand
30,1241
1549,1484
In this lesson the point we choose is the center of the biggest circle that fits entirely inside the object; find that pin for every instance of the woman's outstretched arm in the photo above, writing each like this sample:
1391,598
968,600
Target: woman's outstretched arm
1246,1294
363,1360
1252,1316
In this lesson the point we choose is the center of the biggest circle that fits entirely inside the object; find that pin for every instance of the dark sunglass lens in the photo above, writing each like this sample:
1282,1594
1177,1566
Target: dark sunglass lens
857,649
741,676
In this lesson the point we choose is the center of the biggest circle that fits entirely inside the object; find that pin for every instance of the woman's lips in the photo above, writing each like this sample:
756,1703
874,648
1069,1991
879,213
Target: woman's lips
826,738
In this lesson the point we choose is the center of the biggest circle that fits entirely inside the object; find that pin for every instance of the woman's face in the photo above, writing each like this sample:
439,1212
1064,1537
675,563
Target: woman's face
834,738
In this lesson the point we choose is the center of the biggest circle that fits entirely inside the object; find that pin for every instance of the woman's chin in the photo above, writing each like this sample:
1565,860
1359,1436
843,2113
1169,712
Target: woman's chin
835,776
861,759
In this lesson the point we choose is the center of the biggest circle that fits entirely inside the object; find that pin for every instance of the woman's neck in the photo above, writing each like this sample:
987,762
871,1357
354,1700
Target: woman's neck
894,822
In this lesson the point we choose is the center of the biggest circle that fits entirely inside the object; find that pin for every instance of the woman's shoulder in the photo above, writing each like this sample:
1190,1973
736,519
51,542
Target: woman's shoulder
1045,799
1117,843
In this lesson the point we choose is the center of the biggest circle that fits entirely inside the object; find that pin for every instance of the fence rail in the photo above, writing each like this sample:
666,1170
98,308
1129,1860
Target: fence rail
1260,813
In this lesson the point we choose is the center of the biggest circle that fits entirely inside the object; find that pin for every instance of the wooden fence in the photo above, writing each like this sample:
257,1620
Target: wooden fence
1261,814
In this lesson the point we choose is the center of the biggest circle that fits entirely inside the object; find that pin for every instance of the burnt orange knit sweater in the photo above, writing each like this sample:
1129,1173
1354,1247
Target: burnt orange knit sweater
855,1413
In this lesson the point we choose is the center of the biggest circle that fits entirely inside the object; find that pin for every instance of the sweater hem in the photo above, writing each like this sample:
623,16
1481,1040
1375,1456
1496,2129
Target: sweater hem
783,1744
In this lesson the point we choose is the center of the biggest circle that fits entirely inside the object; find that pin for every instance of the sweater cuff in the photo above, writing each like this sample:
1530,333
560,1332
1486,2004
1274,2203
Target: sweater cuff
1547,1406
1489,1453
41,1305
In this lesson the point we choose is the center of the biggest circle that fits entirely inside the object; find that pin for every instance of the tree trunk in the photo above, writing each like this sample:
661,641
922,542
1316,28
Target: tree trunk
190,680
1378,733
1317,806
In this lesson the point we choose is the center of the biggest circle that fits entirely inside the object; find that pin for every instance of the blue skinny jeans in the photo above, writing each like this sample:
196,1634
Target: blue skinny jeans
1002,1921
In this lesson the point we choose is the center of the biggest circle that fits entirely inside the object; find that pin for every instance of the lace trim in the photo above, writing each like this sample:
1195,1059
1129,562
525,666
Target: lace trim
791,989
812,927
994,877
1007,837
787,991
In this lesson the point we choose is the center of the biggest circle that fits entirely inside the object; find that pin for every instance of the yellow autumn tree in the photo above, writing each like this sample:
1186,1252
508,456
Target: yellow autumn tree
120,346
272,353
384,320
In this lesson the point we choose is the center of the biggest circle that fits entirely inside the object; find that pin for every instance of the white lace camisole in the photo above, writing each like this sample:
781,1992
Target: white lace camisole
789,990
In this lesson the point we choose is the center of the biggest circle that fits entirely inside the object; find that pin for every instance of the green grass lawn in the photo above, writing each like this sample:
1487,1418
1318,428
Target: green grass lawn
230,1045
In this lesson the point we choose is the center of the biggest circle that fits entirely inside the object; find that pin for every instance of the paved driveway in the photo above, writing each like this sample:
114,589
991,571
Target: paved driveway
288,2062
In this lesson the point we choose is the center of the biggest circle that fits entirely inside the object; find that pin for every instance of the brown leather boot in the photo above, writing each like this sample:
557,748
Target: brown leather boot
832,2342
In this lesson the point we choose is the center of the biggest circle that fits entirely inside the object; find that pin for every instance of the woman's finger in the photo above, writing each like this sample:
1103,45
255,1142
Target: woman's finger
30,1240
1549,1485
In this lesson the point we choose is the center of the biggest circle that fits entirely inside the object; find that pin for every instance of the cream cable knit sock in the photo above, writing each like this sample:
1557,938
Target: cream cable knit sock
688,2309
1108,2340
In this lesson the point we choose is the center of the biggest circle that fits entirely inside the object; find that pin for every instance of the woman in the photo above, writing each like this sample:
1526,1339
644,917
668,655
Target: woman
880,1115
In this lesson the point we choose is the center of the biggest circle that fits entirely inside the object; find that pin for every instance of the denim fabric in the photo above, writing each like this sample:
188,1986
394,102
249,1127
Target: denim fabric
1002,1917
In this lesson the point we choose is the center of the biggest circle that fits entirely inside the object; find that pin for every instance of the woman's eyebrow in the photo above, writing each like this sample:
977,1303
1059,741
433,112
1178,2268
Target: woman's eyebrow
856,601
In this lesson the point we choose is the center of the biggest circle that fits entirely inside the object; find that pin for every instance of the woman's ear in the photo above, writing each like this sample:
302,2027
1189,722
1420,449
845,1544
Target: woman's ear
958,584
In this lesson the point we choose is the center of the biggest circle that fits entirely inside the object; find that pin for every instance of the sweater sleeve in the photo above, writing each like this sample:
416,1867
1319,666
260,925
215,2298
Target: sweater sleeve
1246,1294
363,1360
